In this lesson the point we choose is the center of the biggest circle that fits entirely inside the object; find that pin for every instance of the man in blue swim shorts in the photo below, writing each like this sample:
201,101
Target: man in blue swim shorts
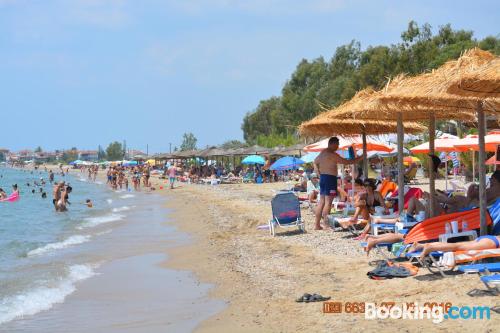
325,165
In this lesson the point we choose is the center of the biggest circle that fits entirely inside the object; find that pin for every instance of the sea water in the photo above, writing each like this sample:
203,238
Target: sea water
52,263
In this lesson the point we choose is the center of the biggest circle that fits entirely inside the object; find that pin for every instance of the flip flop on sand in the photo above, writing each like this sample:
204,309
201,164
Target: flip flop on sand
307,298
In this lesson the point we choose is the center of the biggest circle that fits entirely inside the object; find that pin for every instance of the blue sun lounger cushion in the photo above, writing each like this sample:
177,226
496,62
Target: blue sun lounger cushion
480,268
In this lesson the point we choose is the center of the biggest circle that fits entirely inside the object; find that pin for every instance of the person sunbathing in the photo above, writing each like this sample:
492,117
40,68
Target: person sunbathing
480,243
372,241
453,204
367,201
313,188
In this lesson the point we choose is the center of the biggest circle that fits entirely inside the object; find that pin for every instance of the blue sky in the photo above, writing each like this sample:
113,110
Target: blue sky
87,72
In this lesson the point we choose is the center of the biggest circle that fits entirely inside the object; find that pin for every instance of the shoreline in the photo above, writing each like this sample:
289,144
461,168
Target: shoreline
259,277
127,254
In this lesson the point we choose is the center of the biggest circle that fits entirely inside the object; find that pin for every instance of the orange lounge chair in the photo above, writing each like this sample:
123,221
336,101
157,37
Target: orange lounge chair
431,228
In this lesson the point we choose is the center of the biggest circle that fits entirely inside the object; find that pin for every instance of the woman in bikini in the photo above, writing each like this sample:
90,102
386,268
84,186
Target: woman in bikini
480,243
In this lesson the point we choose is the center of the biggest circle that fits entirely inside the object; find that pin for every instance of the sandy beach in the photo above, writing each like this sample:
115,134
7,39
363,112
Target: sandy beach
260,276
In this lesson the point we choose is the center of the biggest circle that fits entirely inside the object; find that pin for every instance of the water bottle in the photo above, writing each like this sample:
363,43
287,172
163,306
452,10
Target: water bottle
447,229
465,226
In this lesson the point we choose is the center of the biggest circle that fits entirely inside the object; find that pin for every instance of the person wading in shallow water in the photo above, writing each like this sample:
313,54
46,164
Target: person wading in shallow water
325,165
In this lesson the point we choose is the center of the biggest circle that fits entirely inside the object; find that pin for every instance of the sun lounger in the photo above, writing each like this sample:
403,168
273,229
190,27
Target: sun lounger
480,268
492,282
430,229
286,212
444,263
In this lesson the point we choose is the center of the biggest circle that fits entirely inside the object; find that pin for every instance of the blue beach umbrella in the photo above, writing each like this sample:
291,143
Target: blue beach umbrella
287,163
310,157
254,159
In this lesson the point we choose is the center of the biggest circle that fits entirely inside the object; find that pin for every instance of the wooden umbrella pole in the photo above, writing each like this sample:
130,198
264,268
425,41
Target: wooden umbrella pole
401,175
473,166
482,168
432,184
365,156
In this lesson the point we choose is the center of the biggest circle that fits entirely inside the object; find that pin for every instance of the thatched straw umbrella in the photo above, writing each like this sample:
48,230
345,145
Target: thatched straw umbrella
426,97
353,112
333,122
483,84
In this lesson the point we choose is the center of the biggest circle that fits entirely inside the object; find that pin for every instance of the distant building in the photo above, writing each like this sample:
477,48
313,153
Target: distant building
46,156
88,155
134,154
26,155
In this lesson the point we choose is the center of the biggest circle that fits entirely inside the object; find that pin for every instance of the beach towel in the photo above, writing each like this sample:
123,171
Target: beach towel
412,192
386,187
388,270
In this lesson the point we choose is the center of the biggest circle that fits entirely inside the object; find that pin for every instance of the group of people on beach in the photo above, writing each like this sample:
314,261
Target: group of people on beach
369,197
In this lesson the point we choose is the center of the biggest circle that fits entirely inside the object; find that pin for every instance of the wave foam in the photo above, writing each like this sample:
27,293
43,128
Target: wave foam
73,240
43,298
120,209
127,196
109,201
95,221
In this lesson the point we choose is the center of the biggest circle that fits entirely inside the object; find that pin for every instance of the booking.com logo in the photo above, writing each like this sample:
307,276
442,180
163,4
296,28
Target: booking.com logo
415,312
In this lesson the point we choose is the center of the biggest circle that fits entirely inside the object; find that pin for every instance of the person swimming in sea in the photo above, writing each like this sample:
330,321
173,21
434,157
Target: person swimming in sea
3,195
89,204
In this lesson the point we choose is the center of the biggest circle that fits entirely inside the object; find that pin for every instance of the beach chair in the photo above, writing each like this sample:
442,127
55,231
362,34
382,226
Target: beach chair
410,176
486,268
435,262
286,212
248,178
492,282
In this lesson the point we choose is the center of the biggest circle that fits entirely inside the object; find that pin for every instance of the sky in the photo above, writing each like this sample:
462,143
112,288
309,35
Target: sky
79,73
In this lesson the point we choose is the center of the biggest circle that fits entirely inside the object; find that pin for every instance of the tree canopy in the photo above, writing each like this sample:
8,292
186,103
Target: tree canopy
114,151
350,69
188,142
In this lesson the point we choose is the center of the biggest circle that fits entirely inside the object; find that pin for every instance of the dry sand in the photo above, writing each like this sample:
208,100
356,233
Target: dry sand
260,276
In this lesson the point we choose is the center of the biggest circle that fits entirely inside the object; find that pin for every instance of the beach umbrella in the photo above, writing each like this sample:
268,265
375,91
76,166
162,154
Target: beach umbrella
410,160
330,123
254,159
482,84
287,163
491,140
492,161
309,158
446,142
425,97
345,142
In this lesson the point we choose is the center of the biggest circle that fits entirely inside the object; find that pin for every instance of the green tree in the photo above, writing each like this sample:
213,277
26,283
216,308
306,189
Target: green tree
70,155
350,69
188,142
114,151
38,149
233,144
101,154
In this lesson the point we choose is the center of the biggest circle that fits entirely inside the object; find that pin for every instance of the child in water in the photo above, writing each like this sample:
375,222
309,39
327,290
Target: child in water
89,204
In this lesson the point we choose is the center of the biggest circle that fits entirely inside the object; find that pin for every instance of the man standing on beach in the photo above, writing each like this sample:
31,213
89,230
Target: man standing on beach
325,165
171,175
